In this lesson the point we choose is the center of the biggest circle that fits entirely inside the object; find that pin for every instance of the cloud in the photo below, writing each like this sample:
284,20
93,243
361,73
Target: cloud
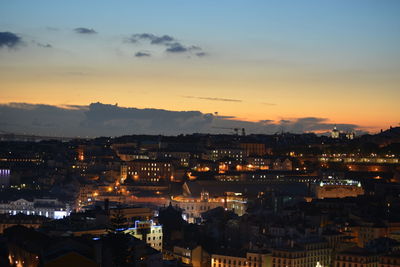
153,39
99,119
142,54
214,98
44,45
201,54
53,29
268,104
162,39
9,39
177,48
171,43
82,30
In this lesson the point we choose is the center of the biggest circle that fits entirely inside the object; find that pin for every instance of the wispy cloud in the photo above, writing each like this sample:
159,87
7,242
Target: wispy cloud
214,99
82,30
142,54
268,104
171,44
42,45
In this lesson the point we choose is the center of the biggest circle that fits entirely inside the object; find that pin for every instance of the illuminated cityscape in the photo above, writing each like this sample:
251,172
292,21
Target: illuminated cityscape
200,133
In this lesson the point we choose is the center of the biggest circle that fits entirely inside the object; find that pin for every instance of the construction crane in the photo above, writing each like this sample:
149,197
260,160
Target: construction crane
236,130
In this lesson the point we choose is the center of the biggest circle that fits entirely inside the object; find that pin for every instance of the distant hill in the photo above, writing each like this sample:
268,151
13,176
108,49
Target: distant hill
389,136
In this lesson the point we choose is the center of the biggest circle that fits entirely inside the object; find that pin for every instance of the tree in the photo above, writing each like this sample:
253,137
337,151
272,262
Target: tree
118,219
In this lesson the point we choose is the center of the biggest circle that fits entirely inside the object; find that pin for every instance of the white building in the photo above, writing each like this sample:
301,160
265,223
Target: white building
51,208
193,207
147,231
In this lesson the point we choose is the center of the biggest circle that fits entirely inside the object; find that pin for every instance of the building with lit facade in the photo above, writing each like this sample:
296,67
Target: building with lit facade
356,256
193,207
30,221
5,177
194,256
258,163
335,133
390,260
282,164
149,171
337,189
181,158
306,253
249,259
254,149
149,232
51,208
221,153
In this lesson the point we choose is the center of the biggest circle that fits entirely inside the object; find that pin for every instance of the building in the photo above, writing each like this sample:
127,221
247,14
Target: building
149,171
240,259
312,252
337,189
30,221
5,177
223,153
193,207
335,134
390,260
282,164
356,256
254,149
195,256
149,232
258,163
48,207
181,158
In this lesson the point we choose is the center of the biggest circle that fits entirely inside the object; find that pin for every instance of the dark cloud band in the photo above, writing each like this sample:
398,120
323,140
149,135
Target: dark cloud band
99,119
82,30
142,54
9,39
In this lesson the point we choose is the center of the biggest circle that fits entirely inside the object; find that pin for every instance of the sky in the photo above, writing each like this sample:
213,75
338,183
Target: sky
337,62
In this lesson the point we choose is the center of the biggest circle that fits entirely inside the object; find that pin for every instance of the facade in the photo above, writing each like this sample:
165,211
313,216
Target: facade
310,254
5,177
258,163
356,257
391,260
149,232
338,189
182,158
150,171
249,259
282,165
335,134
51,208
254,149
194,256
232,153
193,207
30,221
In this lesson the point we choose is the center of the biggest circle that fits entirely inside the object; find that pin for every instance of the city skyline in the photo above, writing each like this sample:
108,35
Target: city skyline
258,63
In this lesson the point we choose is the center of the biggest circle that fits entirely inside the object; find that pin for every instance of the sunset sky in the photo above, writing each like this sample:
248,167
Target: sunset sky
252,60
